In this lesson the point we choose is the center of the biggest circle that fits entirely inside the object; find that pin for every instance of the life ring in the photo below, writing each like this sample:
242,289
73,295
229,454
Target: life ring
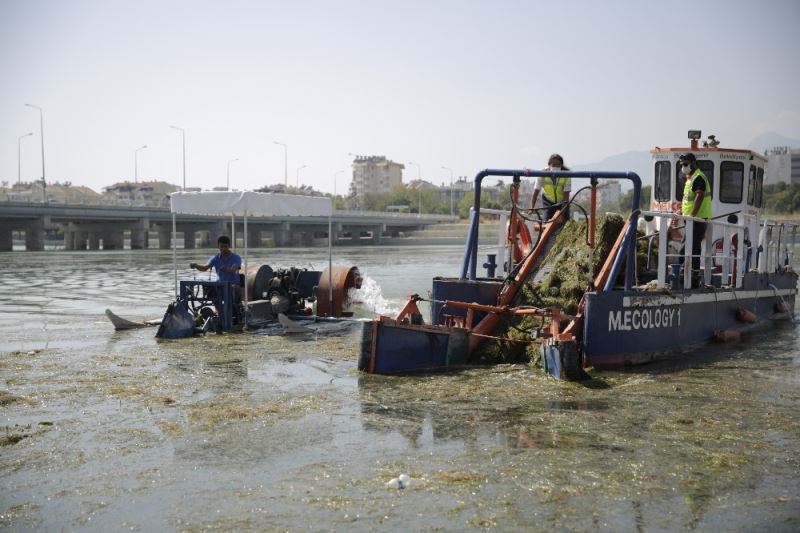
520,240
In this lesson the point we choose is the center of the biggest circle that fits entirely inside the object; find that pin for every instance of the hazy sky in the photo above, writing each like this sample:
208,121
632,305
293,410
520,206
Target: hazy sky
466,85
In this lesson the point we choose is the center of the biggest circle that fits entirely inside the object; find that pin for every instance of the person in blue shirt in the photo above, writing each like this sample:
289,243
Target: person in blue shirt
226,263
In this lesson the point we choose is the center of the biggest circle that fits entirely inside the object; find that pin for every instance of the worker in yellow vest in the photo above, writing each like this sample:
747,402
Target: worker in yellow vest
555,189
696,203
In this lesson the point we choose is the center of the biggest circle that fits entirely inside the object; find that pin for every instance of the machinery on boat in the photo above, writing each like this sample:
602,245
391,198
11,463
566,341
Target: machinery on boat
635,308
263,295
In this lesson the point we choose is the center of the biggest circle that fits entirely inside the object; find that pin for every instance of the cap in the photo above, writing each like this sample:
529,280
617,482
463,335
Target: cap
688,156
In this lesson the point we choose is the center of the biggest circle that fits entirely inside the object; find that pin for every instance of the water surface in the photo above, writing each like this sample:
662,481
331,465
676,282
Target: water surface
108,430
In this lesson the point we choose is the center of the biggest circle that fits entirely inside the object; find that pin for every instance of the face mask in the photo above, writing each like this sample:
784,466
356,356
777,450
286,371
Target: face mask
686,169
555,167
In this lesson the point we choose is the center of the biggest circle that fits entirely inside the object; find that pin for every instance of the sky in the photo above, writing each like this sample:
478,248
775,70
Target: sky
464,85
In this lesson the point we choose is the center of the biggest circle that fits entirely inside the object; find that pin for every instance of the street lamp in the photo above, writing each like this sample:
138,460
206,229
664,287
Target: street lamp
334,182
19,160
136,163
451,188
419,184
297,175
41,135
285,163
228,175
183,137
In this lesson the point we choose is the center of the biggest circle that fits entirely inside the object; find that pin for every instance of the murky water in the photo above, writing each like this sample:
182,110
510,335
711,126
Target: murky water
110,431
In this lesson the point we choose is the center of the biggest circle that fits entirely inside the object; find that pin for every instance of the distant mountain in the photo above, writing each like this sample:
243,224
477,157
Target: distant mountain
771,139
633,161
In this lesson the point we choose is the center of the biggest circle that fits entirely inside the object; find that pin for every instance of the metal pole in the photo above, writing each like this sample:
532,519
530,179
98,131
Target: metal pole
285,163
41,135
330,264
183,138
419,184
334,186
136,163
175,254
228,176
451,188
297,176
19,158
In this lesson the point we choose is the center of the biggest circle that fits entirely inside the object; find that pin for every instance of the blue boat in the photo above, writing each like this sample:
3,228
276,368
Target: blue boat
745,278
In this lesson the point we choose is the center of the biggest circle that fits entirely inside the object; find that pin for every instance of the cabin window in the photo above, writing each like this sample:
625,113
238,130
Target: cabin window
751,185
731,182
707,167
661,190
759,187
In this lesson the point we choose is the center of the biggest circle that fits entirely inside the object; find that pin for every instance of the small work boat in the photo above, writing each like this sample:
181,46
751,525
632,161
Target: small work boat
264,296
634,308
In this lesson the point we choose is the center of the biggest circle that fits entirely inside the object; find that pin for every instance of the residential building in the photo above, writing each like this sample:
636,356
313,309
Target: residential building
141,193
608,193
374,174
783,165
55,192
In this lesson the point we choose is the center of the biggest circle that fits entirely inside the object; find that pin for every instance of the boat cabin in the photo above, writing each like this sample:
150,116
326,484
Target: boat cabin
736,177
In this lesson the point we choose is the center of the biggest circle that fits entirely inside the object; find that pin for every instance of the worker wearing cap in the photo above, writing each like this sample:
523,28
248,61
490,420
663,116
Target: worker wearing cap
696,203
555,190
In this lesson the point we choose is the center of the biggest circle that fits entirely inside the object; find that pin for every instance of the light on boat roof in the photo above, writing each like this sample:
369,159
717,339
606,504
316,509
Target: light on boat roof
694,134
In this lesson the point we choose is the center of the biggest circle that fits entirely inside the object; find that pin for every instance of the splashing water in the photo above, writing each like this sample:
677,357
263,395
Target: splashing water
370,297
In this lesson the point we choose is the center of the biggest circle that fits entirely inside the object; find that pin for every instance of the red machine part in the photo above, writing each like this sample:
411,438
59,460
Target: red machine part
342,278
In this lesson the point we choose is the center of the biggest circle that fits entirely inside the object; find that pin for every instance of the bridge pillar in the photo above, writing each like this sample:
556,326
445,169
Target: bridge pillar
94,240
281,235
69,237
253,237
377,234
188,240
34,236
139,236
80,238
307,238
112,240
207,240
6,239
164,237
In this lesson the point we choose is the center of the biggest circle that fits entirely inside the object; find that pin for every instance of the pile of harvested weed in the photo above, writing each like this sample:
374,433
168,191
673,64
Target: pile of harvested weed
571,267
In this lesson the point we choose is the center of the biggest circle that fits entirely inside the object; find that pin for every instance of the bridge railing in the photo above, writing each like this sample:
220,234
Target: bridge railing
26,200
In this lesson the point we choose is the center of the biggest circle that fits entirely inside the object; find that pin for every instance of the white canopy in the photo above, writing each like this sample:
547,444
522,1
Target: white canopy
249,203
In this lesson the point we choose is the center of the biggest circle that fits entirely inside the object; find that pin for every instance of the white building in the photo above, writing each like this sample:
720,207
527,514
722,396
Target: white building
375,174
783,165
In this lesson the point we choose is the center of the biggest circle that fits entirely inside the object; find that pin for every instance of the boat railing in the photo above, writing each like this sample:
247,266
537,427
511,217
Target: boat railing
725,261
726,251
503,247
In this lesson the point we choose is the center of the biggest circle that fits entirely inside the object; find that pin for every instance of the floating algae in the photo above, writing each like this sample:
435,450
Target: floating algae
570,267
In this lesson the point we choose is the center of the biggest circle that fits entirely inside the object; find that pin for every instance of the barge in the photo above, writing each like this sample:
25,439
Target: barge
635,308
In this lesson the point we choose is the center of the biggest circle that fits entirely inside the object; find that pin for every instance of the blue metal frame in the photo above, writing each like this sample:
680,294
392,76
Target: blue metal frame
222,300
627,250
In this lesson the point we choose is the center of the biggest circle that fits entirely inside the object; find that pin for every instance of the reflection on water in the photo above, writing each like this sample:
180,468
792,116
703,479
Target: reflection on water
110,430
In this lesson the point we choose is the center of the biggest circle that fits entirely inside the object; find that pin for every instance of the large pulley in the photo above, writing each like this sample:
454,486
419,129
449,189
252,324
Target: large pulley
333,288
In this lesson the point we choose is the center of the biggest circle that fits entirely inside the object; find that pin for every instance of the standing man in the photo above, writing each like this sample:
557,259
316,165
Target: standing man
226,263
696,203
556,189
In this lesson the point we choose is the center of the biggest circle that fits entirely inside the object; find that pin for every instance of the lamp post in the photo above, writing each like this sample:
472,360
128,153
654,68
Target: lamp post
136,163
419,184
228,175
297,175
285,163
334,184
19,159
183,138
41,135
451,188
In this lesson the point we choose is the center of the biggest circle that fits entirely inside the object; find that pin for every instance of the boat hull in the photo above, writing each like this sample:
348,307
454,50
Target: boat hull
623,328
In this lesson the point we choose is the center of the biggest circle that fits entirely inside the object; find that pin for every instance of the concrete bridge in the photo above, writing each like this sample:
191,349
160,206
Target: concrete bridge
96,227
